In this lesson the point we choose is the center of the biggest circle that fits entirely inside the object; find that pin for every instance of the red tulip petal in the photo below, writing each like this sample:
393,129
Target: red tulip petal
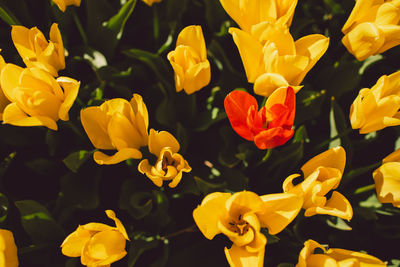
290,102
273,137
237,105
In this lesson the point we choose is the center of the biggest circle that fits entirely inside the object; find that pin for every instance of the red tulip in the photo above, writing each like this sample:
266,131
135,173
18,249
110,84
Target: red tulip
269,127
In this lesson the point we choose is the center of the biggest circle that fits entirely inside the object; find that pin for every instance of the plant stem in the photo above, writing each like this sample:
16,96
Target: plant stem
192,228
79,26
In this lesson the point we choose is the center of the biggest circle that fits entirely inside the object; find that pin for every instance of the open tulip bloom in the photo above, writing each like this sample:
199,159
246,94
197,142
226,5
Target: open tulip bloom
269,127
321,175
240,216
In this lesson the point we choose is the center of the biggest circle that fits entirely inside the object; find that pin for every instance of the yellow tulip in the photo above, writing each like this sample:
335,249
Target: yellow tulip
377,108
372,28
387,179
189,60
247,13
272,59
321,175
36,52
334,257
151,2
8,249
97,244
240,216
117,124
37,98
3,99
62,4
169,165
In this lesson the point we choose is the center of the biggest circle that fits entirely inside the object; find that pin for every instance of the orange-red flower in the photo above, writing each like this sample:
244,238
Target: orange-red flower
269,127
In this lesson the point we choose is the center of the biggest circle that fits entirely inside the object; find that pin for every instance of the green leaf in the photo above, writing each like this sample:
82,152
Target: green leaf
157,64
371,202
139,245
7,16
137,204
308,105
346,77
207,187
117,23
338,223
38,222
301,135
81,190
75,160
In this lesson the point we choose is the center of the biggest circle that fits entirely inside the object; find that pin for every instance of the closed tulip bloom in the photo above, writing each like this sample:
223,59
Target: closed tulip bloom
334,257
62,4
322,174
8,249
3,99
372,28
36,51
169,165
117,125
247,13
37,98
269,127
377,108
97,244
272,59
189,61
151,2
387,179
240,216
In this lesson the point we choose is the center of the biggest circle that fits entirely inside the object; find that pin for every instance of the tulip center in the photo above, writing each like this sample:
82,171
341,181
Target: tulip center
240,226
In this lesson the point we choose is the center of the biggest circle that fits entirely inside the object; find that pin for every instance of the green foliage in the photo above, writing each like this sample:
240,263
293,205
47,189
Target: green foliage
50,184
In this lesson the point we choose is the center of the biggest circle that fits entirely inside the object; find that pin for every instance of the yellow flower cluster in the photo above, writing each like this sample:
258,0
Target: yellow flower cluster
35,96
271,58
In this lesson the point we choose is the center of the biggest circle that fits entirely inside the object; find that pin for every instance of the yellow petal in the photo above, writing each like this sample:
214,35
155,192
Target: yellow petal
20,37
118,224
251,53
106,244
280,210
192,36
94,121
73,244
333,158
197,77
144,167
313,47
16,116
243,202
387,182
318,260
121,155
159,140
55,37
8,249
122,133
392,157
240,257
9,80
364,40
337,206
308,250
362,258
71,88
268,83
208,213
96,227
140,117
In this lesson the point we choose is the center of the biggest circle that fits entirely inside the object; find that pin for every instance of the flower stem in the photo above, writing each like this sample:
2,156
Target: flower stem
364,189
192,228
79,26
